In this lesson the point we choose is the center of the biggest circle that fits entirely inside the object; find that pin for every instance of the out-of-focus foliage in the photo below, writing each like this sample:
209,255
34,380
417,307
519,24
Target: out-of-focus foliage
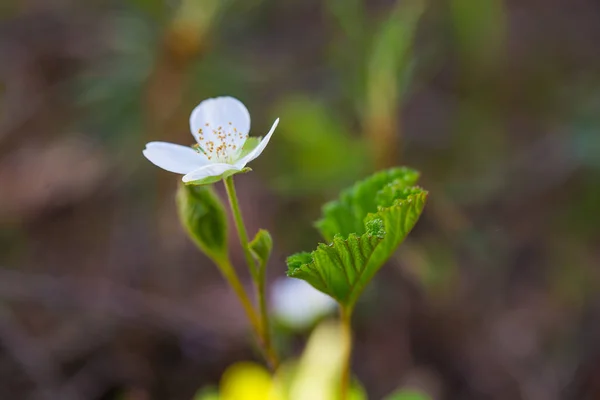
407,395
310,131
388,72
110,92
480,28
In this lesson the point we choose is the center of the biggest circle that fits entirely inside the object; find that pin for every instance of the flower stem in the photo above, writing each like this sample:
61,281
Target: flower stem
258,275
239,223
346,318
232,278
261,290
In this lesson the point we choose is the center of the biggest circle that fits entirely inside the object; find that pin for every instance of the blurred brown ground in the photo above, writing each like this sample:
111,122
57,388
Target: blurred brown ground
495,294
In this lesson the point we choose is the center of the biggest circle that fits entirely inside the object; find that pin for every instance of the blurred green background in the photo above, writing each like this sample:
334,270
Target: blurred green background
496,102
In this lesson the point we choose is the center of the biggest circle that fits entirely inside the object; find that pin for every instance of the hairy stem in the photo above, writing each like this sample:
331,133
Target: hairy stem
239,224
234,281
257,275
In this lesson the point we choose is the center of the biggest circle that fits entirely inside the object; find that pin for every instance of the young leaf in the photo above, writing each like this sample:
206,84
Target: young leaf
261,247
335,269
203,216
347,215
365,226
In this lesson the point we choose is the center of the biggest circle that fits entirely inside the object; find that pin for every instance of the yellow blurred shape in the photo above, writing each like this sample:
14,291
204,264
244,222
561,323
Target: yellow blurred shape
320,366
247,381
316,376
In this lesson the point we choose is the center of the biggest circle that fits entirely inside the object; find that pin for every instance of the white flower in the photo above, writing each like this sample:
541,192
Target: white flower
220,127
297,304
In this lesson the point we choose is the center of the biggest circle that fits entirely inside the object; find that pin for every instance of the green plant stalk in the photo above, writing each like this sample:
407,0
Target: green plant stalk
346,322
257,275
262,306
233,280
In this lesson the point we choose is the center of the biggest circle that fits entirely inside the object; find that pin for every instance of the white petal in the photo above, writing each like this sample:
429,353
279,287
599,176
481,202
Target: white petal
297,304
209,170
174,157
241,163
221,114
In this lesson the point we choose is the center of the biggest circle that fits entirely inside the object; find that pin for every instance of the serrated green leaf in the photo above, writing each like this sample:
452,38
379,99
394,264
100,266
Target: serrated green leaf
365,226
261,247
335,269
347,214
203,216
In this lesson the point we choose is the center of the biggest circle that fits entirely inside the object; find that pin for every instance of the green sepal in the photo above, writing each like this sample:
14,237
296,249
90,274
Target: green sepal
249,145
202,214
212,179
261,247
364,227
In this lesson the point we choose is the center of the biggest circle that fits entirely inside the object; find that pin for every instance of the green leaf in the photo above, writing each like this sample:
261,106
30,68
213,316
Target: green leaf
346,215
336,268
261,247
365,226
203,216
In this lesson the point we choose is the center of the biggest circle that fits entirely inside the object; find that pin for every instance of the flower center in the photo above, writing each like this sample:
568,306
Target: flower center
221,143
